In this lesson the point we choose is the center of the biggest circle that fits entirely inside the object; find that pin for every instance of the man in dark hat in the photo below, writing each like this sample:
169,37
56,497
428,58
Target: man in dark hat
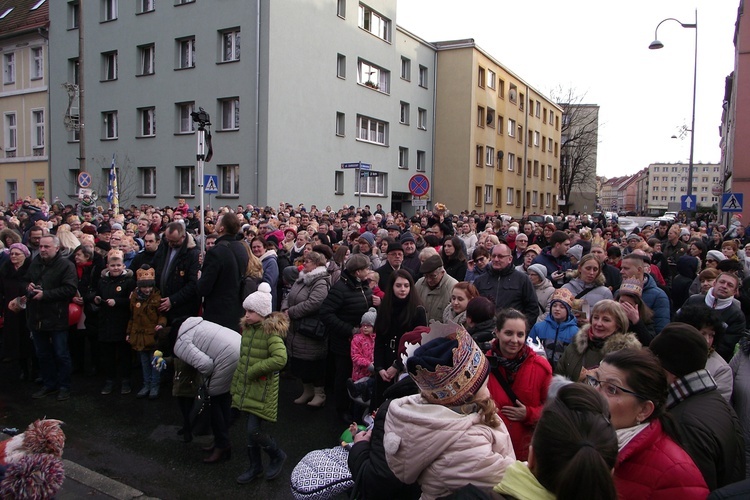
394,261
709,429
411,256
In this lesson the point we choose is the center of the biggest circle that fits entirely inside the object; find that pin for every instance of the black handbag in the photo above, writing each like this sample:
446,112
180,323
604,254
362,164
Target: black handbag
200,414
311,327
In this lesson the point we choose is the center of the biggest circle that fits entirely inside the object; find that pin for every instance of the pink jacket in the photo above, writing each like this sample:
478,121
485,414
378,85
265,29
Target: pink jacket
362,355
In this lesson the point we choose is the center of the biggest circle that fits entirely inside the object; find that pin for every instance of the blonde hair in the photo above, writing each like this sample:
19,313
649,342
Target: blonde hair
67,238
616,311
599,280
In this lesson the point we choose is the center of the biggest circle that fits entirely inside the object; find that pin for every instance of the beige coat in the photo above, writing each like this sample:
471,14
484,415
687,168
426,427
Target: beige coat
437,298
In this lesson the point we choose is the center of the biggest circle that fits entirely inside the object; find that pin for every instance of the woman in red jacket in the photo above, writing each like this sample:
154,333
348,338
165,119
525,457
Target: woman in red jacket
519,379
651,464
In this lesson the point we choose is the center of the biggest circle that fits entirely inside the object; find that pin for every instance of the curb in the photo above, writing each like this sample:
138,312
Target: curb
101,483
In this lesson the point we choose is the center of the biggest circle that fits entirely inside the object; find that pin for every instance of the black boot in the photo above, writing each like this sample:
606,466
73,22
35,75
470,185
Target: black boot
256,466
277,456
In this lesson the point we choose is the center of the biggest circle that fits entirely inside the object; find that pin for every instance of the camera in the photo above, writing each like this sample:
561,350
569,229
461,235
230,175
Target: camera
201,117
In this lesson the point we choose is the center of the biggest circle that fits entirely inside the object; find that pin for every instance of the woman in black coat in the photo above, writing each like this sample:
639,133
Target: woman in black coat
454,258
341,313
17,345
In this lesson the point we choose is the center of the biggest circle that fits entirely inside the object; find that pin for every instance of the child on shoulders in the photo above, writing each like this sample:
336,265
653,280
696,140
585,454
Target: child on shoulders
558,328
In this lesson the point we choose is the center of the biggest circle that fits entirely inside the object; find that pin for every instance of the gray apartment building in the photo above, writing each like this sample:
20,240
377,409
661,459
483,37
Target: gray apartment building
294,88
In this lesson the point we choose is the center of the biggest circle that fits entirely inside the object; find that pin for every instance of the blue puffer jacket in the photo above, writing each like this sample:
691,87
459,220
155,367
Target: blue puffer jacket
655,298
554,336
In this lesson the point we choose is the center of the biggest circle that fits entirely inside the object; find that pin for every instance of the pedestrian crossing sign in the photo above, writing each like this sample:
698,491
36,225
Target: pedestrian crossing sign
210,184
731,202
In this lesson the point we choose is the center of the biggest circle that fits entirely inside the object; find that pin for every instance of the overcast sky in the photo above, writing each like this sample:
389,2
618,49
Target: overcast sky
600,49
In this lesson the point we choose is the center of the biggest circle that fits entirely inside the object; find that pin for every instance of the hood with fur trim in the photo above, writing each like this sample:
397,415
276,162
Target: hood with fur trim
276,324
613,343
309,278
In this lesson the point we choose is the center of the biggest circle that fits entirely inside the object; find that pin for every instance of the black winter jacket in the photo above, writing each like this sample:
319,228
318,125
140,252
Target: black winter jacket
220,282
342,311
509,288
112,323
58,280
181,286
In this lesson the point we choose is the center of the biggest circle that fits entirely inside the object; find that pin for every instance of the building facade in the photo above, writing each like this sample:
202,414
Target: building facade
319,84
667,183
497,139
24,99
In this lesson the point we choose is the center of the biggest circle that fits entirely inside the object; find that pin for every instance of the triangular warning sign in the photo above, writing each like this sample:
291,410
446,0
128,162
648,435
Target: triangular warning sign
732,203
211,185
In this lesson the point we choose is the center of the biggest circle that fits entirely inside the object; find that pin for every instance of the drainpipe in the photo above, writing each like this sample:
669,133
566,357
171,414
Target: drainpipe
434,121
257,102
525,151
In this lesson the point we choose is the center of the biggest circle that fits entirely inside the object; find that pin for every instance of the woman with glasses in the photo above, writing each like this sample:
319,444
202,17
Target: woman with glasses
606,332
651,463
477,265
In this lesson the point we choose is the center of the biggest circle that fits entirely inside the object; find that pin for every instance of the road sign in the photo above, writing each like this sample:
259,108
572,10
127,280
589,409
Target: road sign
365,166
84,179
357,164
369,174
210,184
731,202
688,202
84,192
419,185
717,189
418,203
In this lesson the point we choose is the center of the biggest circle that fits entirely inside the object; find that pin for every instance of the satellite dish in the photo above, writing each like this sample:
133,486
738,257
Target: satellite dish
513,94
500,155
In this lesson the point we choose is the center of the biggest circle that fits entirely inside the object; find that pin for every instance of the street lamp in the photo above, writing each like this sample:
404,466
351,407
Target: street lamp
656,44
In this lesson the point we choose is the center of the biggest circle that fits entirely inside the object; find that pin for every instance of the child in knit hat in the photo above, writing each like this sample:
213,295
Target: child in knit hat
255,386
558,328
362,383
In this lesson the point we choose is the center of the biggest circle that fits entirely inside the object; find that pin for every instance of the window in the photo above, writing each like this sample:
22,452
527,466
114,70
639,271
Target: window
109,119
374,183
341,9
373,76
341,65
480,116
544,115
405,69
509,196
422,76
230,43
536,138
375,23
491,78
511,127
511,162
528,169
147,122
371,130
501,88
37,63
109,66
519,166
478,196
145,6
534,198
549,144
488,194
549,171
183,2
500,124
536,168
187,180
480,77
37,122
489,156
229,179
655,188
9,68
519,133
538,108
548,197
12,191
146,55
422,119
403,157
480,156
186,56
340,124
544,144
73,71
522,102
109,10
404,114
490,117
11,135
338,182
148,181
551,116
421,161
74,12
186,124
230,113
513,93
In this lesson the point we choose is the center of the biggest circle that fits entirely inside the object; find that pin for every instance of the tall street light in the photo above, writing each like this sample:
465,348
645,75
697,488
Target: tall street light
656,44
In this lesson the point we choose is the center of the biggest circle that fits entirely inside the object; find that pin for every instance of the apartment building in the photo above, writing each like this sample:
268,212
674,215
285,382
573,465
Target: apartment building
24,99
318,84
667,182
497,139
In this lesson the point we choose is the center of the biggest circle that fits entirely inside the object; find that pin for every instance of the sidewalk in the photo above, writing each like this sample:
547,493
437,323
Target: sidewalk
81,482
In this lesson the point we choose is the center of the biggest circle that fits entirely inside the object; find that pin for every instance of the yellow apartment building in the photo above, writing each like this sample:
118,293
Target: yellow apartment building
497,139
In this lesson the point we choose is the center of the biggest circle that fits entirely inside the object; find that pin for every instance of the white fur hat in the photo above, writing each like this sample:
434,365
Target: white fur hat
259,301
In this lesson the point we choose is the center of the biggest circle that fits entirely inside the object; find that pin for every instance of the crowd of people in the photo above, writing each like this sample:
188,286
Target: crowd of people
504,357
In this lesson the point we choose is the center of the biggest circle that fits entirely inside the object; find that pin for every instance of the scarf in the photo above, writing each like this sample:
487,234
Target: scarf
624,436
689,385
511,366
519,482
140,295
79,267
715,303
594,342
296,249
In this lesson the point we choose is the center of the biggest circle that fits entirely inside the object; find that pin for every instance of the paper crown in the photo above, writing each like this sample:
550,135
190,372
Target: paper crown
562,295
145,276
631,287
453,378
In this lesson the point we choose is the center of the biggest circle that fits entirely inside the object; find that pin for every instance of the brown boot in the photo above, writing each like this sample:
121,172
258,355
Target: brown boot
320,398
218,455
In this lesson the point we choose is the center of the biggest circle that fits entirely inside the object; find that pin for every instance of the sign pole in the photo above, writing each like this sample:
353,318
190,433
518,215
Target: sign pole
201,157
359,184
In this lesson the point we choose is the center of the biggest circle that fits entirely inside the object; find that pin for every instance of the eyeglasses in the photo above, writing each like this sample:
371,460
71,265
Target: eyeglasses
611,389
498,256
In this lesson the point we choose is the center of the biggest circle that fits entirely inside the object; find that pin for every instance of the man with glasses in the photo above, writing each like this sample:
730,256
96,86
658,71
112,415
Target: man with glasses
434,287
506,286
176,264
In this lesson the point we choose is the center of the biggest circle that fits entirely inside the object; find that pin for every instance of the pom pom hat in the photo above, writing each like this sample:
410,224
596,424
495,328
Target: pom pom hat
260,301
369,317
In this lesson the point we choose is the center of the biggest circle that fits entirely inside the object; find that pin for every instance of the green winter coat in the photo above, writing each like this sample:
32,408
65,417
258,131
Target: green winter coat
255,385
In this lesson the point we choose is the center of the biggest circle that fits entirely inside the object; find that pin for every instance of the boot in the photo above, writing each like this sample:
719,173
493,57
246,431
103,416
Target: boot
277,456
218,455
256,466
320,398
307,395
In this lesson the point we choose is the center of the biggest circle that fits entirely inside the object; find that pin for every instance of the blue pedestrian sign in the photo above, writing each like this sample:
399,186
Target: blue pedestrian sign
731,202
210,184
688,202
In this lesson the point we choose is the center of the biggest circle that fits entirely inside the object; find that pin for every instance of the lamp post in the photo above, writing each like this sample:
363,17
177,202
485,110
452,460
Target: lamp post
656,44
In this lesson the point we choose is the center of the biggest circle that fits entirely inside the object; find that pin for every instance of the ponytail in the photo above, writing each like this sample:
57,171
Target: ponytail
586,475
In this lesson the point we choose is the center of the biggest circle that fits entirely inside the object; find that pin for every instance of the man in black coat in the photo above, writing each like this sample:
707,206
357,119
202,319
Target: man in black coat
708,427
146,256
176,264
224,267
52,285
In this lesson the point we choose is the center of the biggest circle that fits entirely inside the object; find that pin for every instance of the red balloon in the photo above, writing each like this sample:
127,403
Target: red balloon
74,313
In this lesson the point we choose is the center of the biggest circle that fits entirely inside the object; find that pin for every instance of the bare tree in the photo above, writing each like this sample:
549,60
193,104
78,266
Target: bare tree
127,179
579,142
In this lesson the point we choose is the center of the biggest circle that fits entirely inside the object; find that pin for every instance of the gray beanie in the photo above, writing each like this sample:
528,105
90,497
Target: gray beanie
716,255
369,317
539,269
575,251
